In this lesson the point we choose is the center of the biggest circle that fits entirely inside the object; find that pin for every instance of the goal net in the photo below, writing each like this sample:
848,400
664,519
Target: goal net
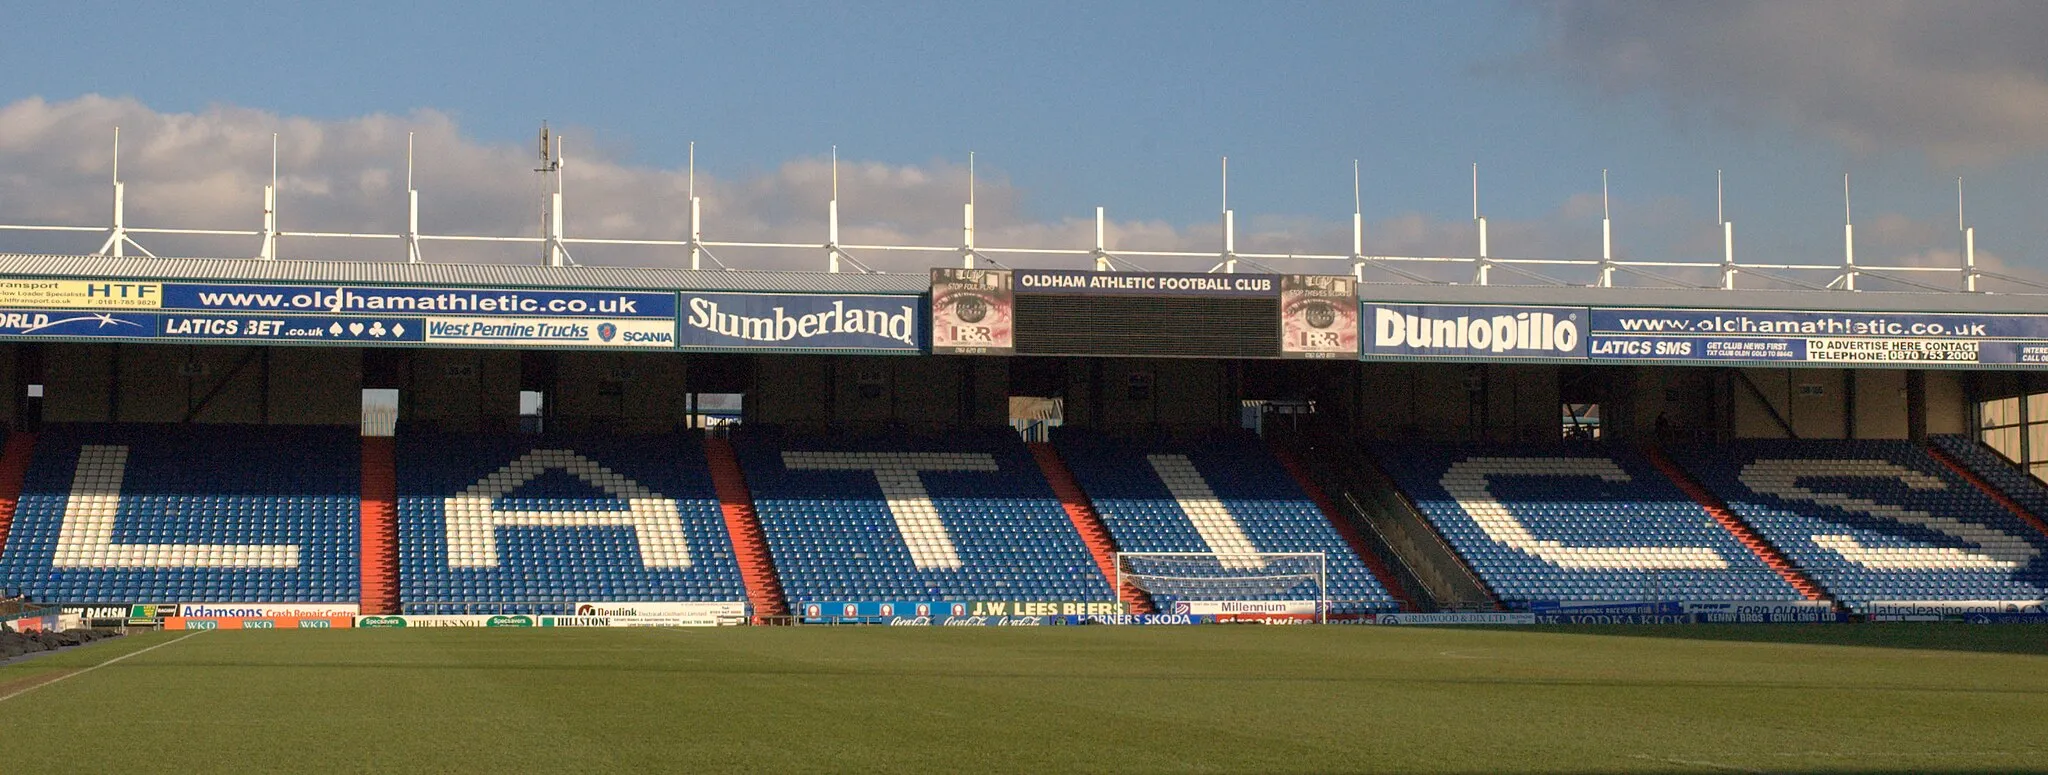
1204,580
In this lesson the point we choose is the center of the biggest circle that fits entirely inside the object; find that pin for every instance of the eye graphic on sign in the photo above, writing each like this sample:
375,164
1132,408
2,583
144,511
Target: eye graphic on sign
1319,314
970,308
1316,312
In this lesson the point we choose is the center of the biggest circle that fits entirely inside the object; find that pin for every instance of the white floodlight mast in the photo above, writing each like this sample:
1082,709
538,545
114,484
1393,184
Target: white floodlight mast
967,219
1357,227
268,251
1969,243
1485,263
1606,237
412,208
832,218
1848,239
1229,224
1728,269
696,214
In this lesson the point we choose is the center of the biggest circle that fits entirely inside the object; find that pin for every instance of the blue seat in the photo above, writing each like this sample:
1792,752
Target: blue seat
539,567
1878,520
834,537
194,491
1261,499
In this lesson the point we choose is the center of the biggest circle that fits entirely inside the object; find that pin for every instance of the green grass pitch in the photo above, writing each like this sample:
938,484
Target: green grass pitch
1874,698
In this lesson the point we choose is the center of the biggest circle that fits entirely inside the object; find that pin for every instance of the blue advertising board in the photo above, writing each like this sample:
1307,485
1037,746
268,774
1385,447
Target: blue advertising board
810,321
1448,331
132,309
78,324
1091,283
339,300
1835,338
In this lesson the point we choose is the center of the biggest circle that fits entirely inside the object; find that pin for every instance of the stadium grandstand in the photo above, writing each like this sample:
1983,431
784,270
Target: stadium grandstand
229,438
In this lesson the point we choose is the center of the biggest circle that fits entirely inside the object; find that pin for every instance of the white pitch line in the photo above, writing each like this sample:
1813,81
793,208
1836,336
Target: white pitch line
96,667
1697,763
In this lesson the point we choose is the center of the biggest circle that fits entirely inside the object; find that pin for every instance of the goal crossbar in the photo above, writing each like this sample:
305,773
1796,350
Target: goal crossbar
1299,577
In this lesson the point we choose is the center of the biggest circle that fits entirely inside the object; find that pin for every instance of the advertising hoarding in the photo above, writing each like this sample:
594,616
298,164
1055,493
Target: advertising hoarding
1473,332
729,610
810,321
226,610
973,311
132,309
458,620
258,622
1836,338
1318,316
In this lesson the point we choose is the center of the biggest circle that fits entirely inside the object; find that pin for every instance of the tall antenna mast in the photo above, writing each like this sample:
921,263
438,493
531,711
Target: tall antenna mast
552,250
117,238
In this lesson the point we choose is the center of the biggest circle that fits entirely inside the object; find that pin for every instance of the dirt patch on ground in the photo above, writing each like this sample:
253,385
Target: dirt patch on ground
31,682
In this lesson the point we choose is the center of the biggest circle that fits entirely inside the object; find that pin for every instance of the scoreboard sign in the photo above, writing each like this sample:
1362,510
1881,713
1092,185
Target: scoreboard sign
1155,314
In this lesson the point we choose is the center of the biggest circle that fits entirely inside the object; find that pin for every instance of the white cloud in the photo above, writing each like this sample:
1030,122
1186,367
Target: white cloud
1963,82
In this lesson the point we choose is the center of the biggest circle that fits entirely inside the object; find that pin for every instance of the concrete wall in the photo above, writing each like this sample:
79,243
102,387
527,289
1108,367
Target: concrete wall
461,390
1455,402
1843,403
12,386
76,381
626,392
1168,393
316,386
1880,408
1949,409
790,391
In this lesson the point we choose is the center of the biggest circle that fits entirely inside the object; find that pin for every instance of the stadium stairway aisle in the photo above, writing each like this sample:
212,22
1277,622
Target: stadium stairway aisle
1223,494
380,594
1086,521
961,517
2014,489
13,468
1344,528
749,543
1757,544
1583,523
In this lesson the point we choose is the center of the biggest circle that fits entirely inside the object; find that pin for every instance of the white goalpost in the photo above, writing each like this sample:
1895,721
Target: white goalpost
1213,582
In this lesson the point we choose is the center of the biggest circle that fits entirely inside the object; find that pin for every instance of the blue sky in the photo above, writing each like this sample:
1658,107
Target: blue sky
1130,105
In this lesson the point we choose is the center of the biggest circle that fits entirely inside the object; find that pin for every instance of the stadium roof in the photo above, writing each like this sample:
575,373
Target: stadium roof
654,278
